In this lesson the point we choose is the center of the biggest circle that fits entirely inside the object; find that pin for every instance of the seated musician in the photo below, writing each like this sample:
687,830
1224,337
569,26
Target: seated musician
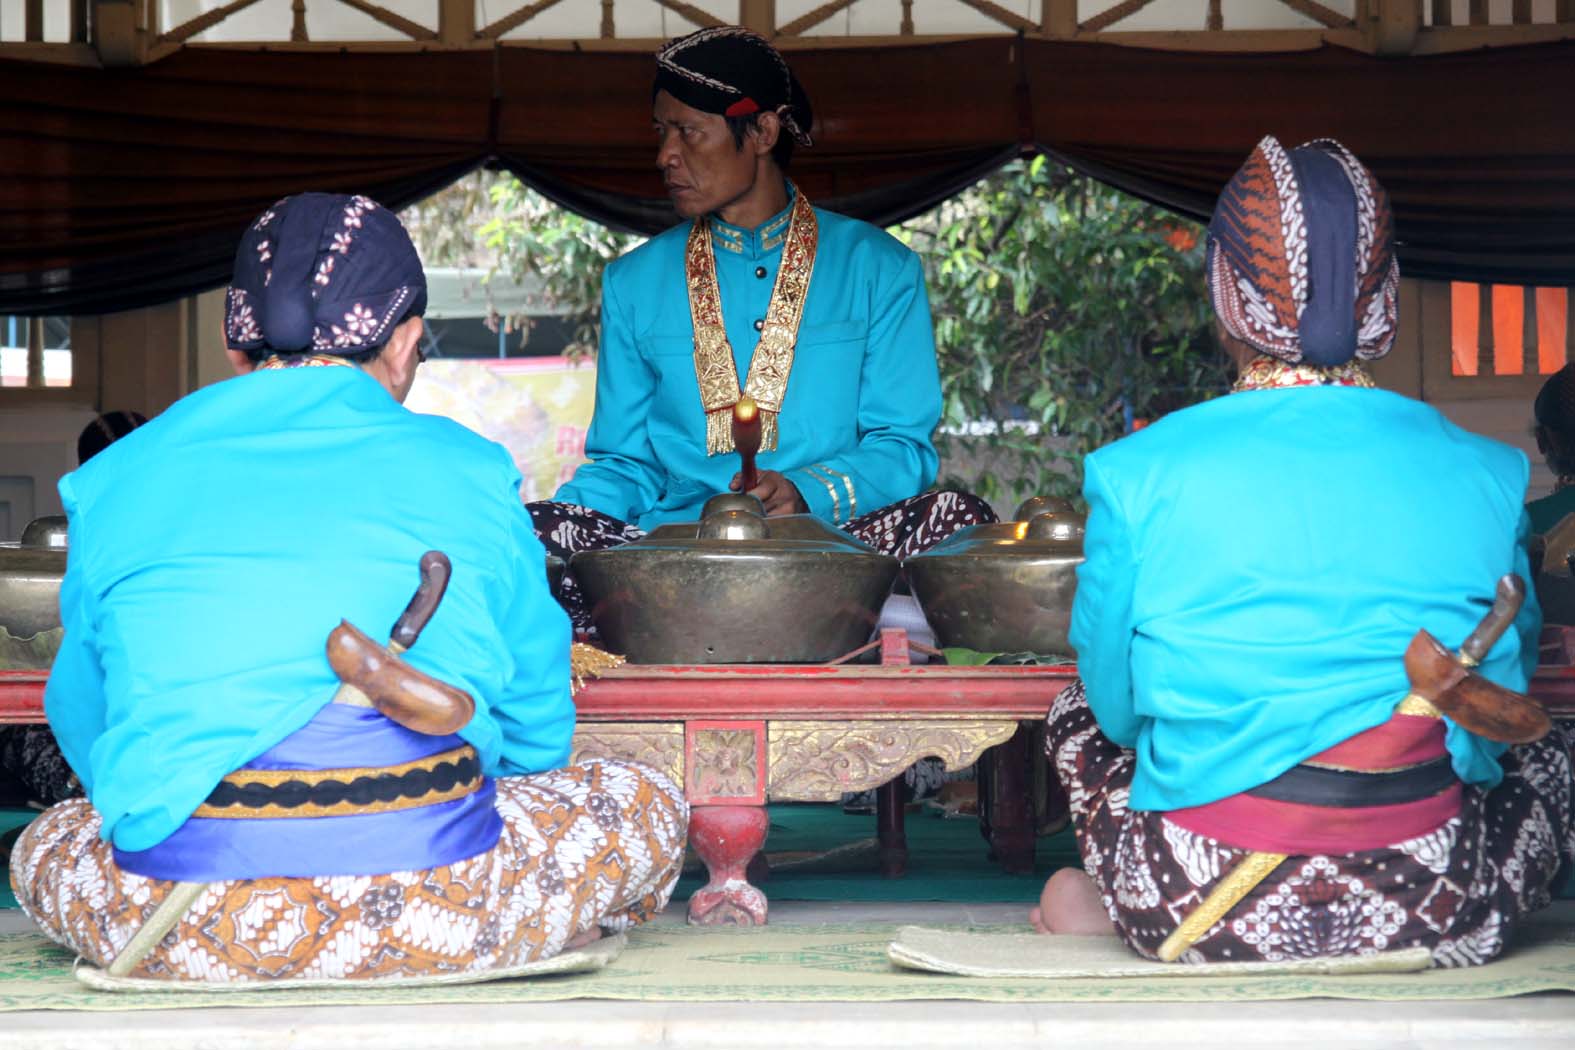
1554,412
823,318
1256,568
212,553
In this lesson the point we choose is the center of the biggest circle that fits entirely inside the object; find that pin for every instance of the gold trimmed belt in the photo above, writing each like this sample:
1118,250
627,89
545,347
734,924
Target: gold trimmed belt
255,794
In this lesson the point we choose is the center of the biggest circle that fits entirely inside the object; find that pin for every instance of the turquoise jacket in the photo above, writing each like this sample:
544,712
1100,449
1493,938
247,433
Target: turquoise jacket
1257,565
862,401
213,550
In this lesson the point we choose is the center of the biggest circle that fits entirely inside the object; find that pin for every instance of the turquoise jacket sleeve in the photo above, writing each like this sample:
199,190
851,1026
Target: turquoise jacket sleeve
1102,617
899,407
535,712
623,478
74,699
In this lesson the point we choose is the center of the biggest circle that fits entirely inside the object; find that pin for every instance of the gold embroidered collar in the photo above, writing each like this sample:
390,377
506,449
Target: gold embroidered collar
1270,373
772,361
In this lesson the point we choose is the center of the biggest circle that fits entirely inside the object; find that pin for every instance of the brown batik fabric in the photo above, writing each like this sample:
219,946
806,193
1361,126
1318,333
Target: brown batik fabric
1458,891
901,529
599,843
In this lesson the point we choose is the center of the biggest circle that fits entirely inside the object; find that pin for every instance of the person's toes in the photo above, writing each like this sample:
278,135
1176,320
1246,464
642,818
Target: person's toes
1036,919
583,938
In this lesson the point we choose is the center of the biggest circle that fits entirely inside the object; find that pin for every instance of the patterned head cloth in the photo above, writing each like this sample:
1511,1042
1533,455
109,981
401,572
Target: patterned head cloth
733,71
323,273
1301,258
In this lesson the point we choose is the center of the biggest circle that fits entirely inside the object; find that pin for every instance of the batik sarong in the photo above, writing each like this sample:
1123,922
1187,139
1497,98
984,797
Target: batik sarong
599,843
1458,891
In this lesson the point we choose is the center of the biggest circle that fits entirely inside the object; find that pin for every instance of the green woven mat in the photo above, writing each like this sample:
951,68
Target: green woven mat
675,963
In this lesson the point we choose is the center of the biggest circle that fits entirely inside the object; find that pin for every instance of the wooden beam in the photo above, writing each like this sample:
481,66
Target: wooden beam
33,22
192,26
414,30
759,15
1109,18
1520,12
1058,19
703,19
456,21
1479,12
1443,12
1325,16
1530,359
298,23
1486,364
905,27
811,19
995,11
513,21
609,27
1216,17
1392,26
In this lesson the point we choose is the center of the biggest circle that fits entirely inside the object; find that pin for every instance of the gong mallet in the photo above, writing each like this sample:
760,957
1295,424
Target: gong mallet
1442,683
746,439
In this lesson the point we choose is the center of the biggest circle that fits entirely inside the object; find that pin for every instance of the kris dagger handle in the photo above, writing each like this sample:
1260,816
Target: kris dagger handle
1506,606
746,439
435,571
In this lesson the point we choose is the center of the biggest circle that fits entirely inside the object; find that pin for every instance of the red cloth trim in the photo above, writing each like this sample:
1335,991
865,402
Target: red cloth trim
1291,827
1404,740
742,108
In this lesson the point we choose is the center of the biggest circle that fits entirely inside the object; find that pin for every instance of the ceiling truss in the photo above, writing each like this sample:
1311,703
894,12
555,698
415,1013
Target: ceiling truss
127,32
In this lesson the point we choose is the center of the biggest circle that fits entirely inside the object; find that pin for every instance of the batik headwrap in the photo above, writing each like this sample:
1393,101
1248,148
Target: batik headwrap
1301,261
733,71
322,273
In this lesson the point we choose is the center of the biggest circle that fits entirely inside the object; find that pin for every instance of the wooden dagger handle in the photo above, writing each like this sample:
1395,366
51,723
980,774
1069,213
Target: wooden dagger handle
1506,606
435,571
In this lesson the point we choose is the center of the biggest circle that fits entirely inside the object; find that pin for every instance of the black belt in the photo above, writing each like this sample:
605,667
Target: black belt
260,793
1356,789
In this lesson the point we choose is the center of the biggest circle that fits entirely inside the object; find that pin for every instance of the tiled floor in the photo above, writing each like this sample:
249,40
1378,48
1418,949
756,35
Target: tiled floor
1527,1022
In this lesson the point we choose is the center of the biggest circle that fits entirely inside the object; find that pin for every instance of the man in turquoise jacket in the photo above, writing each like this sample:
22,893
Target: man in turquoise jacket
821,319
246,820
1256,567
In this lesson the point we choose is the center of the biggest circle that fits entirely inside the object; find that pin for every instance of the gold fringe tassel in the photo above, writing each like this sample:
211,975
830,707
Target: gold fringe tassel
587,661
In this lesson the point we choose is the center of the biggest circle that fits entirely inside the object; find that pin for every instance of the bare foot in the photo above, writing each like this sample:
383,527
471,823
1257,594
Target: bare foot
1070,903
583,938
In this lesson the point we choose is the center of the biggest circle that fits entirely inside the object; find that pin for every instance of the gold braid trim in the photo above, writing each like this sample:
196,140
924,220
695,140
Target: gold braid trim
587,661
1226,894
772,361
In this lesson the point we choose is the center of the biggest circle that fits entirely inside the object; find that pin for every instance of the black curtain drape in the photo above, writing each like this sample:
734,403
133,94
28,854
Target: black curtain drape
122,188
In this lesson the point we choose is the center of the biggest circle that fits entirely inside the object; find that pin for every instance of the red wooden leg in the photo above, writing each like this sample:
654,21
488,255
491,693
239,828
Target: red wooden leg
726,837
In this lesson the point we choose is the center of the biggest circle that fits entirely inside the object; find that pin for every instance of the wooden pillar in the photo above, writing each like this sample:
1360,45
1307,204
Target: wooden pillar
1530,359
1392,25
759,15
1479,12
1443,12
79,21
1486,365
1565,12
1059,19
456,21
33,21
1216,17
35,351
1521,12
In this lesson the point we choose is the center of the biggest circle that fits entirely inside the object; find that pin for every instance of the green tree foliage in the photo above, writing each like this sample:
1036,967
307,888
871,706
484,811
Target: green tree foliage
1065,311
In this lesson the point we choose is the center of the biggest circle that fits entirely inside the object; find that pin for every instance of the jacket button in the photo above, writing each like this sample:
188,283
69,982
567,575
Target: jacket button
760,271
760,323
